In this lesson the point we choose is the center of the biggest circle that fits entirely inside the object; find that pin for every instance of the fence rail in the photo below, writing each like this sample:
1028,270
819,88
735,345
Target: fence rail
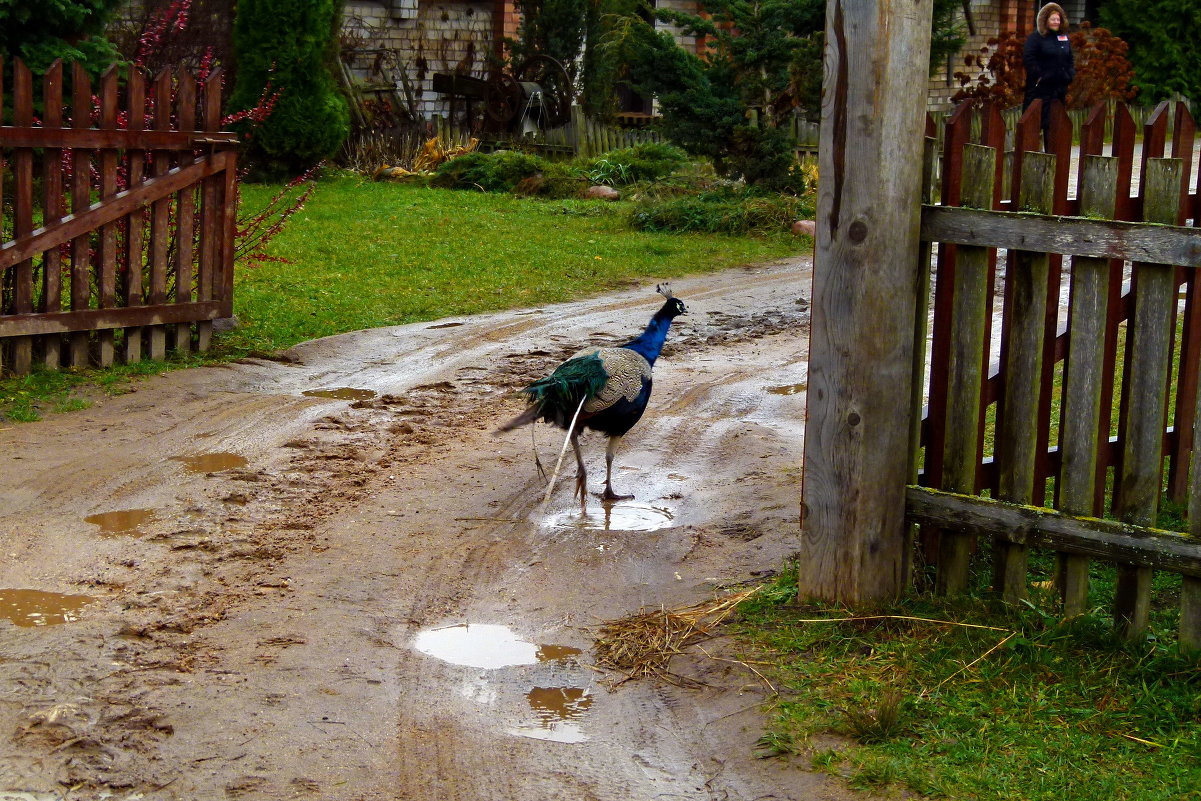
1077,388
118,216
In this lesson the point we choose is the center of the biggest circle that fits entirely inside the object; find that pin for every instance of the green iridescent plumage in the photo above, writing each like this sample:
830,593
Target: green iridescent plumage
556,397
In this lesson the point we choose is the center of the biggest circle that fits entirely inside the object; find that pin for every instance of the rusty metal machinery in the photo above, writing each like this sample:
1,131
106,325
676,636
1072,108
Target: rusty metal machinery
536,93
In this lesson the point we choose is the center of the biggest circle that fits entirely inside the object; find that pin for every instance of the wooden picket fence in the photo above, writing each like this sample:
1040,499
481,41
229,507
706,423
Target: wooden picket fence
1089,406
119,217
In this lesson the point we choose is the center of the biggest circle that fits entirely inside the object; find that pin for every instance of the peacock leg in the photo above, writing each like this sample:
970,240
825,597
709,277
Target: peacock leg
610,495
581,476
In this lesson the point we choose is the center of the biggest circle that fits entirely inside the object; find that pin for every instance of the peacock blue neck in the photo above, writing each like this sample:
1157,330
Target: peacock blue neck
650,342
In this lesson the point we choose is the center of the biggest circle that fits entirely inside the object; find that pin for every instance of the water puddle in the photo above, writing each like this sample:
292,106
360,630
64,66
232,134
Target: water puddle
121,521
340,393
211,462
30,608
486,646
789,389
557,711
442,325
614,517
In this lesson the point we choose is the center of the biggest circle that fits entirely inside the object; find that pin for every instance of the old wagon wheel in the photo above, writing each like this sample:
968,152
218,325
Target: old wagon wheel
502,97
555,85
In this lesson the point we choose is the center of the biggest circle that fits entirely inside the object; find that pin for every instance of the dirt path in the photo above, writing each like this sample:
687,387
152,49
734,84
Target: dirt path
255,636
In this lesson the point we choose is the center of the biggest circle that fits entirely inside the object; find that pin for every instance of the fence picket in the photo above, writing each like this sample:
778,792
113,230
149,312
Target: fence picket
966,368
1080,431
53,209
107,251
81,196
135,222
1017,426
206,267
1136,492
185,208
22,294
160,216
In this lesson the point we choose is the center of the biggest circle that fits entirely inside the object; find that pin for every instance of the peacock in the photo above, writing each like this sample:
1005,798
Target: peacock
605,389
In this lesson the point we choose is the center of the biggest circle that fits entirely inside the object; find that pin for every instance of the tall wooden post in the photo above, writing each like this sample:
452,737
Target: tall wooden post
865,282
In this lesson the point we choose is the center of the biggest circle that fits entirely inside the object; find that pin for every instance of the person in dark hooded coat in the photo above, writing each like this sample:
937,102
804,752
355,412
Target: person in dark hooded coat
1050,65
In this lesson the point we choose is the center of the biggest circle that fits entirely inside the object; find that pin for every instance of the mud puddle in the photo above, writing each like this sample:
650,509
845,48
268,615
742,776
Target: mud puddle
340,393
34,608
121,521
789,389
211,462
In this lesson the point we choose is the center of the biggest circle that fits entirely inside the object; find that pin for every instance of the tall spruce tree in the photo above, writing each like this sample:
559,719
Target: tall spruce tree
290,45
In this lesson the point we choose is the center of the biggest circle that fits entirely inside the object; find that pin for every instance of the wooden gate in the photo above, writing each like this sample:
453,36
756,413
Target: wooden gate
119,217
1064,355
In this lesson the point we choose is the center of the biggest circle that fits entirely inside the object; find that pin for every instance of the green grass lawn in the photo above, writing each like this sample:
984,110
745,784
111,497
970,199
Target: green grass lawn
363,254
1019,707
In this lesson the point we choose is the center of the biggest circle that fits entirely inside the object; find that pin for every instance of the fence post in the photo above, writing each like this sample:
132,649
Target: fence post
865,283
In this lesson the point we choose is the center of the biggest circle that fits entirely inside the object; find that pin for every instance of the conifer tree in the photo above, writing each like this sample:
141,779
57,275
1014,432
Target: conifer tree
287,47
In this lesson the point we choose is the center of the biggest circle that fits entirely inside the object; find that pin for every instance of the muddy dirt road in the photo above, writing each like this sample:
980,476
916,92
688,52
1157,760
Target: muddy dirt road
263,593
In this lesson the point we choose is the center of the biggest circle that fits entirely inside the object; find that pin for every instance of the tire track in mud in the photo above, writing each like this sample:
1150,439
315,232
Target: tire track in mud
294,585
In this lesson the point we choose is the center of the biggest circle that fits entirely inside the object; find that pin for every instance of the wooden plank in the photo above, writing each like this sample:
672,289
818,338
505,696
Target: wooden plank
957,130
865,277
1139,481
1081,434
185,205
1183,135
121,204
210,231
135,222
160,233
53,208
1017,438
1036,526
107,251
22,279
966,368
920,323
1076,236
228,203
81,198
116,139
100,319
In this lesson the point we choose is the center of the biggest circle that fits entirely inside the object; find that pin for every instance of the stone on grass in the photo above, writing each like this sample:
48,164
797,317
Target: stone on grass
601,192
806,227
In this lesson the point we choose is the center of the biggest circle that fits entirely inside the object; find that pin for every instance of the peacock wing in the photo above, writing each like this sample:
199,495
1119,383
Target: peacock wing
627,371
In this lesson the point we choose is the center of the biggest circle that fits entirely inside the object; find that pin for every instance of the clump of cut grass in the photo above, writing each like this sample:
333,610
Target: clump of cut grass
642,645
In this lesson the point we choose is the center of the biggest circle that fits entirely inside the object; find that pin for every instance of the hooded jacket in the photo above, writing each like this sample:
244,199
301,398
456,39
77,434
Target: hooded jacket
1047,56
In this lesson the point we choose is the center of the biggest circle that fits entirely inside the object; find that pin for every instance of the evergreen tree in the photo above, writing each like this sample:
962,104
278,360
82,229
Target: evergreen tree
39,31
288,47
1162,48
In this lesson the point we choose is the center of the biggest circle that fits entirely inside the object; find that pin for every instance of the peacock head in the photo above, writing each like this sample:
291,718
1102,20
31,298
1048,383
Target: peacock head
674,306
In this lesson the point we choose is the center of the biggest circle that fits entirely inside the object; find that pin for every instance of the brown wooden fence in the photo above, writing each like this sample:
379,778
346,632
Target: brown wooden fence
119,216
1064,350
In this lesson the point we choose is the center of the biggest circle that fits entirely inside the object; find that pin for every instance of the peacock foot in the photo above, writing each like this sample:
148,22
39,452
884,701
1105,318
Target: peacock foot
610,495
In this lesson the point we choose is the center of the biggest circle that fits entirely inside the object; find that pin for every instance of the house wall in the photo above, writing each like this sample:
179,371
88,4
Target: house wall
426,38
